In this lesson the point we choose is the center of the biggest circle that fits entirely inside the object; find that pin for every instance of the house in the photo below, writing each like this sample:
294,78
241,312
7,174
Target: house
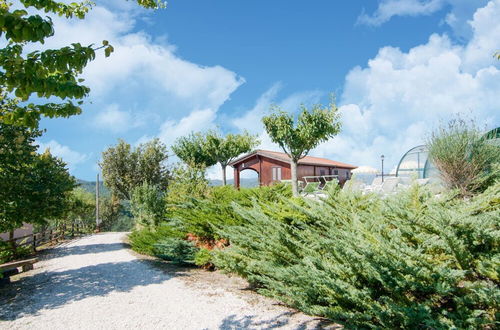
273,166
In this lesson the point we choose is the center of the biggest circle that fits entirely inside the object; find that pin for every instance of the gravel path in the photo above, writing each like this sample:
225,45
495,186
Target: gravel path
96,282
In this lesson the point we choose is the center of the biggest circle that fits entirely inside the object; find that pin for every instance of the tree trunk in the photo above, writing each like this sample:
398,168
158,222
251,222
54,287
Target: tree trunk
13,244
295,187
223,175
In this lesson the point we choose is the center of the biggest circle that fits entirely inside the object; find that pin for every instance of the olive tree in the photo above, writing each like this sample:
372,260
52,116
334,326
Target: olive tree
224,149
312,127
193,151
124,167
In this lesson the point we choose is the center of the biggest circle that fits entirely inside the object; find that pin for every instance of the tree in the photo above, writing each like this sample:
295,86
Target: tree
313,127
225,149
33,187
124,167
46,73
193,150
81,209
110,211
187,182
147,205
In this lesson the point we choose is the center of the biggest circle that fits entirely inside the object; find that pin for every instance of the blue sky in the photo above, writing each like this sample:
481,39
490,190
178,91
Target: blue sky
397,68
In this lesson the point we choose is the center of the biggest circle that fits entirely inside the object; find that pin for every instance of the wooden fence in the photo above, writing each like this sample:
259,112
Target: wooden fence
47,236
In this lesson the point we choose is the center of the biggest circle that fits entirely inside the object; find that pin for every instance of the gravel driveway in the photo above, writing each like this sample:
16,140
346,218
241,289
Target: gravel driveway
96,282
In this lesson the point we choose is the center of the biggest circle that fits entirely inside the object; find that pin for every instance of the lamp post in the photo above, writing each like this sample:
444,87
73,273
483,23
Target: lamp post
382,159
97,221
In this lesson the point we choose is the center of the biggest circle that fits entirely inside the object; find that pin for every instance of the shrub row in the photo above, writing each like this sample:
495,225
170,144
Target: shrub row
408,261
412,260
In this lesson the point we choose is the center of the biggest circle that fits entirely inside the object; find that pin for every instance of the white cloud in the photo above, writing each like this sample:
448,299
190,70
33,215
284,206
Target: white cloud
143,72
459,13
393,103
115,120
390,8
69,156
198,120
251,120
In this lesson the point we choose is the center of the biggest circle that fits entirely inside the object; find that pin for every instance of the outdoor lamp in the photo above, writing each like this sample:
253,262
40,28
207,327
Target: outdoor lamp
382,159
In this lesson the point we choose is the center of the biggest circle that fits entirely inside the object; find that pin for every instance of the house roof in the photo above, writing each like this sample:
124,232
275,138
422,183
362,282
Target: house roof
281,156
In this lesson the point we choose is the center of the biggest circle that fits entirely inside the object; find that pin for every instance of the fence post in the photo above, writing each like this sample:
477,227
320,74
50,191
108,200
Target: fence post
12,243
34,243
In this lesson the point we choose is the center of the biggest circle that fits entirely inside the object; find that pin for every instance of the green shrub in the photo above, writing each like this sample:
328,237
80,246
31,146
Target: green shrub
143,241
176,250
186,182
465,159
147,205
407,261
203,215
203,258
7,254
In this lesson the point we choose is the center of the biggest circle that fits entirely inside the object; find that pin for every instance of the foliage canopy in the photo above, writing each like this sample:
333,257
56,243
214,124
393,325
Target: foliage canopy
225,149
313,126
45,73
33,187
193,150
124,168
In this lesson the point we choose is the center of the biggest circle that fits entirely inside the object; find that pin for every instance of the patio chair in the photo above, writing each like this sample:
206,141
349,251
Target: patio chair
311,188
389,186
377,181
354,185
330,184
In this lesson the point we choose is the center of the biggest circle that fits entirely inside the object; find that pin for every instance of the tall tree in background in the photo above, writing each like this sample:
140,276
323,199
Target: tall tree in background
124,168
225,149
147,205
296,139
46,73
193,151
33,187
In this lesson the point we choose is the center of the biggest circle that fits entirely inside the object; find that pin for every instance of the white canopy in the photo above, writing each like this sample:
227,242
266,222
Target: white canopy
365,170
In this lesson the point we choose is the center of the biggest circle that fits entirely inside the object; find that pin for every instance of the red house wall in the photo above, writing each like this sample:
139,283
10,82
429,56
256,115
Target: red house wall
264,167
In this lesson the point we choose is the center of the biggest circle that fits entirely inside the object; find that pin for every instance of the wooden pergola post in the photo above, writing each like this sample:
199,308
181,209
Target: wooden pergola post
237,177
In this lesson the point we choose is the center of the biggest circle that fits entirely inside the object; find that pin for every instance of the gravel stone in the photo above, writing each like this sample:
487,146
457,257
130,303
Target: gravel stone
97,282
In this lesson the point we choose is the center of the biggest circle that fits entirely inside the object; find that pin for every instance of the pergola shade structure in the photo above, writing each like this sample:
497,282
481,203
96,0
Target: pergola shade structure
273,166
493,136
416,160
414,163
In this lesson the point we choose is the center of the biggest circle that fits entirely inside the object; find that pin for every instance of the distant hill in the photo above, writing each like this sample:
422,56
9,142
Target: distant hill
90,187
244,182
104,191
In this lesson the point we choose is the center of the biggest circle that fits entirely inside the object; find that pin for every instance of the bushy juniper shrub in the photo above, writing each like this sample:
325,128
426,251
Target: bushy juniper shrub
203,258
176,250
202,216
411,260
143,240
